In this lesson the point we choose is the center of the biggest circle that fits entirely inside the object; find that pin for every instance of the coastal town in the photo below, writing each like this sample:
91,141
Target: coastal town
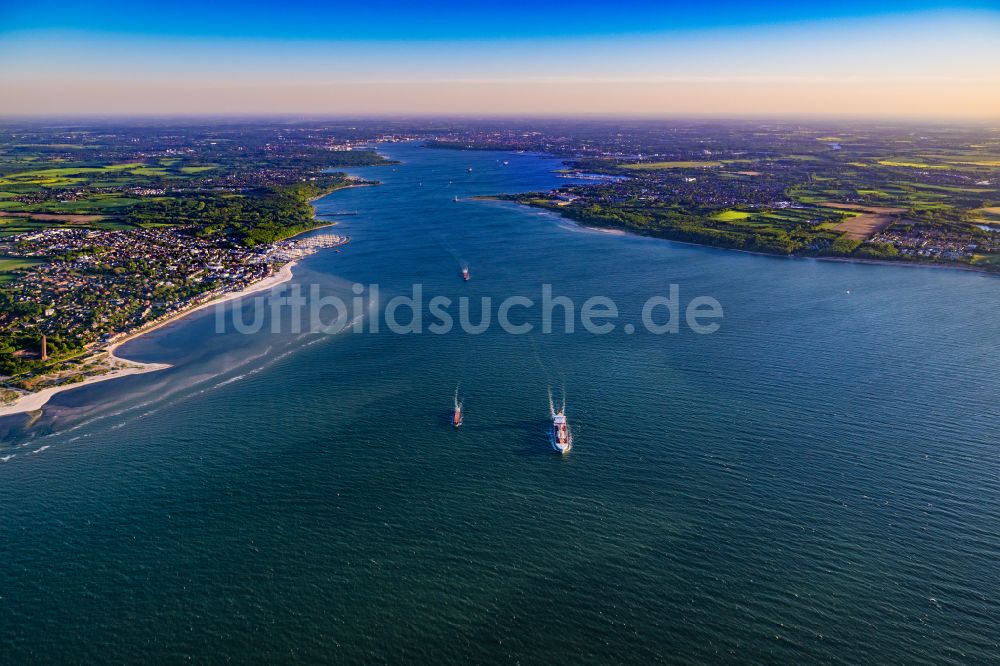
108,281
108,232
108,285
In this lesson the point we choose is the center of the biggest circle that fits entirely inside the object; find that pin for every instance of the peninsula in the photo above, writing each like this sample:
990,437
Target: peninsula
928,195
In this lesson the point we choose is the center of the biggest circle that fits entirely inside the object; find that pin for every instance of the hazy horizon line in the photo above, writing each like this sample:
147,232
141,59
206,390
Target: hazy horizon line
298,116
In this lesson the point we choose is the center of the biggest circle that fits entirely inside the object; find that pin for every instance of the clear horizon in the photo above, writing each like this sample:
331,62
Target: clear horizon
904,61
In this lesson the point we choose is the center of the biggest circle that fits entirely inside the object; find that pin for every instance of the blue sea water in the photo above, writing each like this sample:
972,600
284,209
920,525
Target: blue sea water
818,481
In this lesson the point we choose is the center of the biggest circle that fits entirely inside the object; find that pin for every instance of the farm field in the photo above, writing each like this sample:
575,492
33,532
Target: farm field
10,264
731,215
54,217
988,213
861,227
656,166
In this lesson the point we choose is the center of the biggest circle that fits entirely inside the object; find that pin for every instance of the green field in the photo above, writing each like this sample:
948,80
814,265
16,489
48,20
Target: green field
71,187
911,165
17,225
199,169
986,260
731,215
129,173
10,264
655,166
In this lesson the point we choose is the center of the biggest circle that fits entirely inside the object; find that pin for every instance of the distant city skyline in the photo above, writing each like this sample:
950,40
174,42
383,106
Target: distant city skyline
920,60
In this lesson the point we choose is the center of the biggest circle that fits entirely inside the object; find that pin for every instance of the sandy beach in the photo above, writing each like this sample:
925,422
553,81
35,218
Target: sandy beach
283,275
30,402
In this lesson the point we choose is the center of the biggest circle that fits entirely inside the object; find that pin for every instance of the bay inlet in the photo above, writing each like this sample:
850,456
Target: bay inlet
815,481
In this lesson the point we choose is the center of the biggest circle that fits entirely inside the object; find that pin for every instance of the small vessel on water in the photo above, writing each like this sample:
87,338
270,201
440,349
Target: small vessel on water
455,199
470,169
561,439
457,419
465,273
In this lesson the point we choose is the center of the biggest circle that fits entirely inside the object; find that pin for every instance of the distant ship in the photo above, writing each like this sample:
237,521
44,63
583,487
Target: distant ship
470,169
561,439
505,162
456,199
465,273
457,420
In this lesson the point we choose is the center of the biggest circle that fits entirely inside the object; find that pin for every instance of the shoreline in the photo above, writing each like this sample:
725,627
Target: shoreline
30,402
283,275
614,231
364,183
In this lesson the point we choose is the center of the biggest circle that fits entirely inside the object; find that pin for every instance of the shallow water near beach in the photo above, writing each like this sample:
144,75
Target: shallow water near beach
815,482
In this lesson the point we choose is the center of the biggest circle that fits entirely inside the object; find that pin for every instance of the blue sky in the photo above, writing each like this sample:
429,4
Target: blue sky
433,19
843,58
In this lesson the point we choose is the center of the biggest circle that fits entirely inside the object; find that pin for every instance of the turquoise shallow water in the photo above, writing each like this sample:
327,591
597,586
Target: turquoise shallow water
817,481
